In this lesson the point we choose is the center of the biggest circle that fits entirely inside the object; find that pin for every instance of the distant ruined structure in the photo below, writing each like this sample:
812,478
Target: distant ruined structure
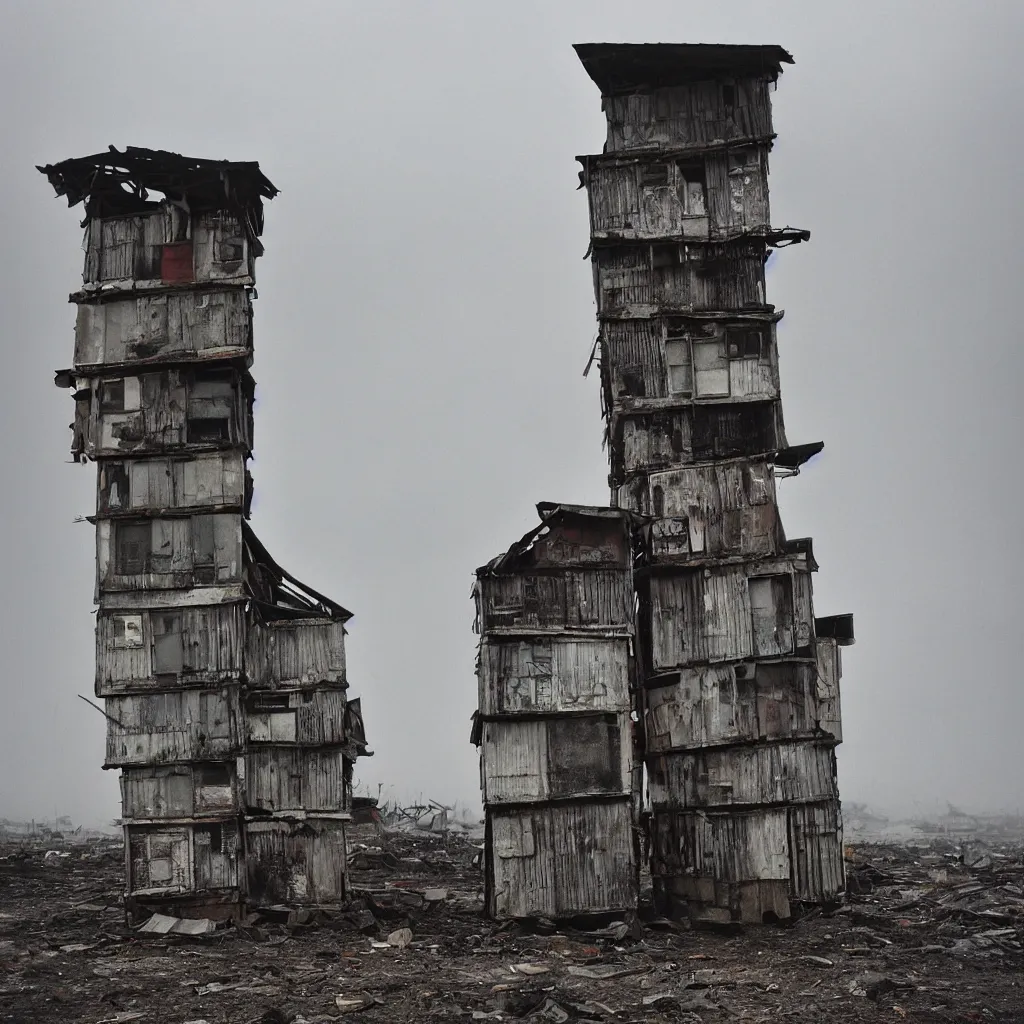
734,683
223,677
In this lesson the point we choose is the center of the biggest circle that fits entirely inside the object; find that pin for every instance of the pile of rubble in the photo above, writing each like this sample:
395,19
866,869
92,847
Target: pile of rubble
932,930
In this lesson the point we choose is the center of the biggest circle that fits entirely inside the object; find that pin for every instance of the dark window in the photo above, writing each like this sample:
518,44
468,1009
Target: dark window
210,407
112,396
744,343
230,250
269,702
204,561
584,755
167,643
216,773
133,547
216,837
654,176
114,493
729,96
665,256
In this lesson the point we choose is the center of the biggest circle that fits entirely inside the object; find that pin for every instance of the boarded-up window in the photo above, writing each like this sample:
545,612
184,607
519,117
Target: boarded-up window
176,263
771,613
134,548
678,365
167,643
584,755
710,368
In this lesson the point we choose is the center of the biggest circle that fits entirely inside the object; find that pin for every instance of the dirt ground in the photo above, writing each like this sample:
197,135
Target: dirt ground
933,932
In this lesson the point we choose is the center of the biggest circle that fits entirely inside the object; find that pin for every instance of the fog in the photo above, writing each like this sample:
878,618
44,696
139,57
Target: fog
425,314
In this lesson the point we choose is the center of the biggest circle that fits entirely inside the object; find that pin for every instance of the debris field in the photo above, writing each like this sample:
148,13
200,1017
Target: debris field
931,930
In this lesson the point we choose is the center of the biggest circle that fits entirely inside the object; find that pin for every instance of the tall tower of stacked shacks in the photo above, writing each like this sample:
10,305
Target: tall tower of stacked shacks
738,681
223,676
559,773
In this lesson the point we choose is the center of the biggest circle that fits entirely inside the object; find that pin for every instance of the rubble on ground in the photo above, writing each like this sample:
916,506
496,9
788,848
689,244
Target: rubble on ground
931,930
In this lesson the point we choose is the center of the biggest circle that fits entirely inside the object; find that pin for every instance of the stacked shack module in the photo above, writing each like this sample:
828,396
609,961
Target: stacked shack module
560,780
738,690
223,676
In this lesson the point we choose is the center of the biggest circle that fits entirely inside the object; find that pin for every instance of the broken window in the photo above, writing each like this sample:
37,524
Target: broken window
678,365
744,343
114,490
210,407
665,256
133,548
168,649
728,95
126,631
692,188
210,835
112,396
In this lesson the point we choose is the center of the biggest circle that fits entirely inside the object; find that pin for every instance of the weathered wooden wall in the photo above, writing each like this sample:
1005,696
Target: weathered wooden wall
693,114
200,326
295,652
296,863
559,860
214,479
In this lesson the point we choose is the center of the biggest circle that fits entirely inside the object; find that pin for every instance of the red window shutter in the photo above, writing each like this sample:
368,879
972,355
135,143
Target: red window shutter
176,263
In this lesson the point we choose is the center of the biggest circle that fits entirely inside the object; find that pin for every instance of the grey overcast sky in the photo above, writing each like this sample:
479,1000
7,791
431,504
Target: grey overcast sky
425,314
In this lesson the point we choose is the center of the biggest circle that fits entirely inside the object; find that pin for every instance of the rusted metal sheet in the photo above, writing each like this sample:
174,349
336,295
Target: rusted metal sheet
202,789
295,652
155,484
787,772
296,863
163,410
168,553
290,780
164,326
553,674
182,725
313,718
526,760
561,860
734,703
167,648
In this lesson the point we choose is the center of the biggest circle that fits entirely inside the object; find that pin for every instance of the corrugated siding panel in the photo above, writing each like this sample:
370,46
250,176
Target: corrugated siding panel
816,852
302,864
712,707
574,599
296,653
283,779
563,860
798,772
633,353
553,675
185,725
688,115
623,278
